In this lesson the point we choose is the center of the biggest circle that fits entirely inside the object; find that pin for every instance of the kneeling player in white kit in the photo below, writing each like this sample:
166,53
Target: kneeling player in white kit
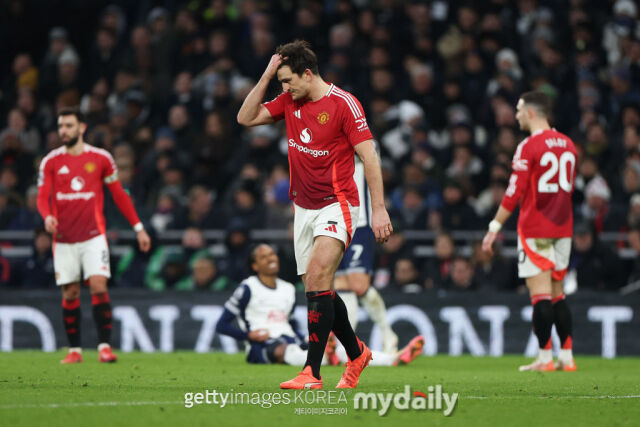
263,306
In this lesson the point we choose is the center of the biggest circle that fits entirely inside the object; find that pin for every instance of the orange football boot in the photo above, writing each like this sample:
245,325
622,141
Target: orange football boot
304,381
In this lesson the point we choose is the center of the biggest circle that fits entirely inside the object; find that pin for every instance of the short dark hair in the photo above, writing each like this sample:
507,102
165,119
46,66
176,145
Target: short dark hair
72,111
539,100
253,253
461,258
299,57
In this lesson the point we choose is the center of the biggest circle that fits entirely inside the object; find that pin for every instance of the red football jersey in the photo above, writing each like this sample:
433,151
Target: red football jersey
322,136
544,171
75,185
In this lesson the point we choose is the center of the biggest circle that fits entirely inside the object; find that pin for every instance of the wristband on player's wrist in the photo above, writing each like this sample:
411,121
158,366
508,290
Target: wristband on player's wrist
494,226
138,227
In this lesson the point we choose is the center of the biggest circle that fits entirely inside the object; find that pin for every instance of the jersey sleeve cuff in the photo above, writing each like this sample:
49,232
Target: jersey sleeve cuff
507,206
111,178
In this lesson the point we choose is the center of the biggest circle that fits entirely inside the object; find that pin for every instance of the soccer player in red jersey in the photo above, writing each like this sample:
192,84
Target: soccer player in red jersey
544,169
70,199
325,126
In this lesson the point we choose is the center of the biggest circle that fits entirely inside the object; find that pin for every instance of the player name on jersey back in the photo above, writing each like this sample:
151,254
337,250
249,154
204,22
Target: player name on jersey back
544,170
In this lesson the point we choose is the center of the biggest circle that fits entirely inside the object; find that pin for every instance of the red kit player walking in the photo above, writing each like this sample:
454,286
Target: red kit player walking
325,126
544,169
70,199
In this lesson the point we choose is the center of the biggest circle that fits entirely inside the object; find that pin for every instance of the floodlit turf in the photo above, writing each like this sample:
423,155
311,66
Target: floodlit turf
148,390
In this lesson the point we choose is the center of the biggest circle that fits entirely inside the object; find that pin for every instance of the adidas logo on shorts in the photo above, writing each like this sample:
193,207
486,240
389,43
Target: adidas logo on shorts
332,228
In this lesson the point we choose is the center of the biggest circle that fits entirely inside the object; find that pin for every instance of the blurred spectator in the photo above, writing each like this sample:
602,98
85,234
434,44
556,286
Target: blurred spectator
68,75
17,125
457,213
438,268
461,277
27,216
16,165
166,210
200,212
588,169
37,270
212,150
234,264
466,166
388,254
619,27
487,203
105,59
58,44
630,182
415,178
412,214
183,94
397,141
5,273
405,277
180,123
162,49
492,273
596,265
279,207
168,266
23,74
633,217
205,277
597,207
131,269
7,210
247,207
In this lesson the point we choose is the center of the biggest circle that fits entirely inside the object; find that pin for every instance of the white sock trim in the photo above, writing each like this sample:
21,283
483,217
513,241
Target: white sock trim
75,349
565,355
103,345
294,355
374,305
351,303
545,356
381,359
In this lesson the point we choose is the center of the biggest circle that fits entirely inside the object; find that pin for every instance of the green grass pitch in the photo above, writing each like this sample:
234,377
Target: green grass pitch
148,390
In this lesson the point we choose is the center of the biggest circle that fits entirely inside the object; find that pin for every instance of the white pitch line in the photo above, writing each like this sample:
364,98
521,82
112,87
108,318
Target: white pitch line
90,404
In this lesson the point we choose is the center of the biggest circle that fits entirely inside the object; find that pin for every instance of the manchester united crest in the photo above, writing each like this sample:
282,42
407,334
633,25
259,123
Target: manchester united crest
323,118
89,167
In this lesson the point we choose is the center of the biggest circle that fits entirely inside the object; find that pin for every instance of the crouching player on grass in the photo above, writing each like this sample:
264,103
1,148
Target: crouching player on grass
263,307
70,199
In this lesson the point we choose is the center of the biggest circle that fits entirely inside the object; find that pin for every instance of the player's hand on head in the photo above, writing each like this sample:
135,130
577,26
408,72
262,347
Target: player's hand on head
381,224
274,63
259,335
51,224
144,241
487,242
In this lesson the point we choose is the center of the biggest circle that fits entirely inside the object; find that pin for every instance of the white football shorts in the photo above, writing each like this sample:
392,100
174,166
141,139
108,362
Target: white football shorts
335,220
536,255
90,257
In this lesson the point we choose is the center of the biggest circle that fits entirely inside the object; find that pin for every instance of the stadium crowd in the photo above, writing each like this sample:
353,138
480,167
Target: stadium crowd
161,82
